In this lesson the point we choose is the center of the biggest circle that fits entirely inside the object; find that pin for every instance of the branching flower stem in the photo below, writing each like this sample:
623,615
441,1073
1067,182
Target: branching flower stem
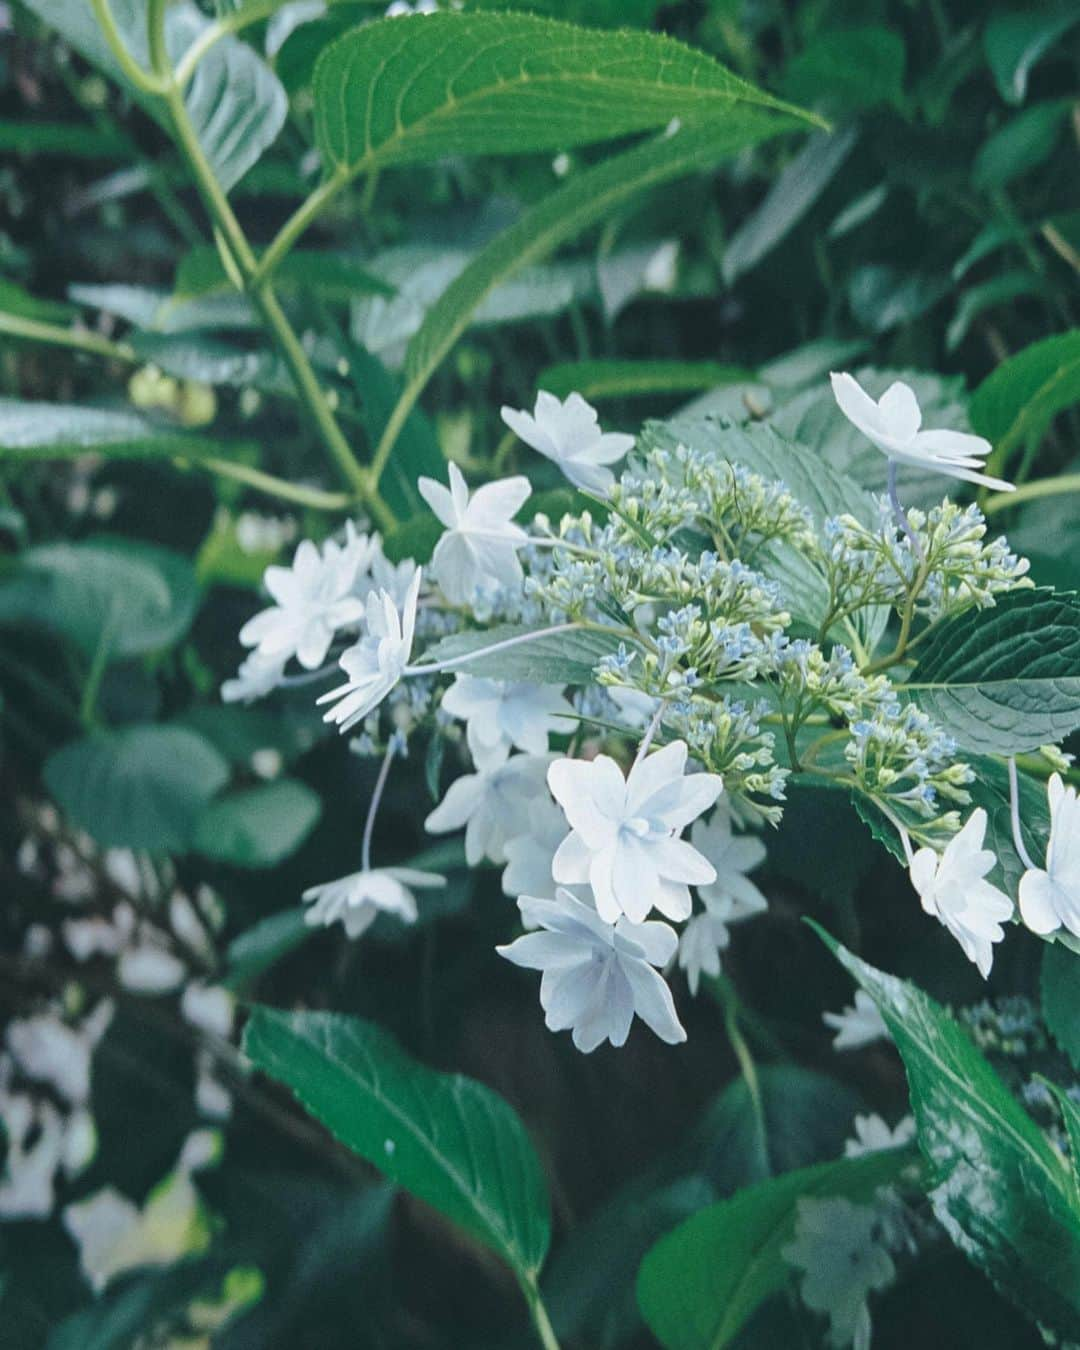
437,667
1014,816
373,807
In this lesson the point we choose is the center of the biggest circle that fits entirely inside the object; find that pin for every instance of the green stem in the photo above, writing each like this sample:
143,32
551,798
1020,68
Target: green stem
544,1330
295,226
315,498
98,666
730,1002
132,71
1028,492
35,330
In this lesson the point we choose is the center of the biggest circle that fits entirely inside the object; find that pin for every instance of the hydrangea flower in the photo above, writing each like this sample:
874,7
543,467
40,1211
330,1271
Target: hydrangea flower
478,551
529,856
837,1247
568,433
858,1025
501,715
624,831
732,896
375,663
951,887
872,1135
50,1051
700,944
258,676
894,424
313,600
1050,896
494,805
596,975
359,898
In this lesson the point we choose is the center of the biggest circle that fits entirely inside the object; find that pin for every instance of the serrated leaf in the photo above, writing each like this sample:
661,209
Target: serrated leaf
1004,680
699,1285
999,1188
236,104
258,826
1059,986
447,1139
1018,400
143,787
130,596
413,88
567,657
588,197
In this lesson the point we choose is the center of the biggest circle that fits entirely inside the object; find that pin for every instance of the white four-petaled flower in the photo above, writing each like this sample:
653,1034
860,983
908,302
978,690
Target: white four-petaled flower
732,896
624,831
501,715
872,1134
478,552
495,805
569,434
1050,896
894,423
359,898
596,975
313,600
375,663
953,889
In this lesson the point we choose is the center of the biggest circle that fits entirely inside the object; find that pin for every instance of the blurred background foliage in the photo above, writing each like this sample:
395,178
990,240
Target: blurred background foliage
937,227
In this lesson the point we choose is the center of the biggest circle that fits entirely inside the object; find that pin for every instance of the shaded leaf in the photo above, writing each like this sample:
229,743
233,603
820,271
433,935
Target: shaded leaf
258,826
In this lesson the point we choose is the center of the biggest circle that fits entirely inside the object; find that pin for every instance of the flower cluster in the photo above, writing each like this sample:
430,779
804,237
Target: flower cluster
734,640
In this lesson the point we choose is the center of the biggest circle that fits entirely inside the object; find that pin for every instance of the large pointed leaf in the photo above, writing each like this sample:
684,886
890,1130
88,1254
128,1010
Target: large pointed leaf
414,88
1019,399
447,1139
1005,680
698,1286
51,430
1000,1189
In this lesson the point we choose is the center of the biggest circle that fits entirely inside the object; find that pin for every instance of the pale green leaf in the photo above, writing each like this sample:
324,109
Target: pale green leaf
445,1138
54,430
555,658
258,826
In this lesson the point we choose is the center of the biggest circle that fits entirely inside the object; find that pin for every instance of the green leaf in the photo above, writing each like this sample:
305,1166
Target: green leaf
999,1188
585,199
556,658
447,1139
1022,144
1015,41
793,193
1060,988
699,1285
848,70
236,104
414,88
1017,402
998,290
53,430
258,826
883,297
601,379
143,787
131,596
1005,680
70,139
264,944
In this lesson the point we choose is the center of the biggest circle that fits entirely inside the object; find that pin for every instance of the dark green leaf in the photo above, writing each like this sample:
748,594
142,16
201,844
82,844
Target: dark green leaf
848,69
1016,40
1060,987
1017,402
143,787
595,380
447,1139
258,826
1021,145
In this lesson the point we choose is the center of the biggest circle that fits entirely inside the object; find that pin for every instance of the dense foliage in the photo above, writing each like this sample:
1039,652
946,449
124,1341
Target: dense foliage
571,489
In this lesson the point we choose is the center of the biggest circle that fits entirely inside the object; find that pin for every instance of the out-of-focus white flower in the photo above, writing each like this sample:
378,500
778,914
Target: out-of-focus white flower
872,1135
49,1051
893,424
732,896
494,805
501,715
97,936
393,578
147,967
210,1007
858,1025
624,832
212,1098
313,601
837,1246
359,898
596,975
953,890
636,709
478,551
375,663
121,866
529,856
258,676
1050,897
35,1151
568,433
114,1235
700,944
